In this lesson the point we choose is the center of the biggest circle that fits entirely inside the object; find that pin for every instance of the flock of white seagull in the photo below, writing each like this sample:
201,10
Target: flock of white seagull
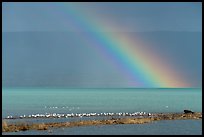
56,115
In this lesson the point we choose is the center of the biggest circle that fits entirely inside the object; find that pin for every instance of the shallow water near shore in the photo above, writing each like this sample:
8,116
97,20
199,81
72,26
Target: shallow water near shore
165,127
27,101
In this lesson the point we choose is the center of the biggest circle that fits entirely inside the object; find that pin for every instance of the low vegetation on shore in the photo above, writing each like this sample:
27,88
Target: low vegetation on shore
129,120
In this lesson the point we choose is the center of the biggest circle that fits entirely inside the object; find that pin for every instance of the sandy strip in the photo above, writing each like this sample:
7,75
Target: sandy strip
45,126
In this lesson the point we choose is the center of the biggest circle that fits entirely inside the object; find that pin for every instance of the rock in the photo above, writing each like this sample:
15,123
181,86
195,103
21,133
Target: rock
188,111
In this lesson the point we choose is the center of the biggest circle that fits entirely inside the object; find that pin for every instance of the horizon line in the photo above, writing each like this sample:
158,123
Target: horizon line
102,31
100,87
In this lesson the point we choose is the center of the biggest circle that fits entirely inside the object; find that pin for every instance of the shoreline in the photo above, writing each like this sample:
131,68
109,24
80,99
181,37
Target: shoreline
130,120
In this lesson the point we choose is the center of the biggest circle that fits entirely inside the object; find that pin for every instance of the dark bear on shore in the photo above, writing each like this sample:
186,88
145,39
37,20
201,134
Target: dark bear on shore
188,111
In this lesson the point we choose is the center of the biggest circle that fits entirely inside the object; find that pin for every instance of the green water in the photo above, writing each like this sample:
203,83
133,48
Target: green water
19,101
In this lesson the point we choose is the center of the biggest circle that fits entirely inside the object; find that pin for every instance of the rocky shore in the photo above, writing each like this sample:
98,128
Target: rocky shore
128,120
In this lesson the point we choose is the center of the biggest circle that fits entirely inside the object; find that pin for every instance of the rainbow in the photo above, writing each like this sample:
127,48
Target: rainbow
143,66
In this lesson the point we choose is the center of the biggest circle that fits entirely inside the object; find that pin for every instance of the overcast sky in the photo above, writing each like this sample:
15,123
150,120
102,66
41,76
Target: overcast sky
133,16
41,46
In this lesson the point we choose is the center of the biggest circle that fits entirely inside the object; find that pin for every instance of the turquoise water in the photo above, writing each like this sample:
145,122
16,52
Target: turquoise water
20,101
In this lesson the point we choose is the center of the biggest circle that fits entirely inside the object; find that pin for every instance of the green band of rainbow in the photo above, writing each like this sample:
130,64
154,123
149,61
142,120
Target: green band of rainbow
140,64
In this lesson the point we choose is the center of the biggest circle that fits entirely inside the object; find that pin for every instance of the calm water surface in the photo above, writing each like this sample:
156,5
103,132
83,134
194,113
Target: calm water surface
174,127
19,101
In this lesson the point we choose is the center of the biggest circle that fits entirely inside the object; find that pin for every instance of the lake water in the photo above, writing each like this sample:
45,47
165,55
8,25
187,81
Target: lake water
20,101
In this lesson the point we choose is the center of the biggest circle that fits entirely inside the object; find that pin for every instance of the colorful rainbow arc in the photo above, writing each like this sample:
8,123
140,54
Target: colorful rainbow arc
140,64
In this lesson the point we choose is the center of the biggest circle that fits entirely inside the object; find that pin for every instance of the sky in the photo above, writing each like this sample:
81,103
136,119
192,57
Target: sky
128,44
134,16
